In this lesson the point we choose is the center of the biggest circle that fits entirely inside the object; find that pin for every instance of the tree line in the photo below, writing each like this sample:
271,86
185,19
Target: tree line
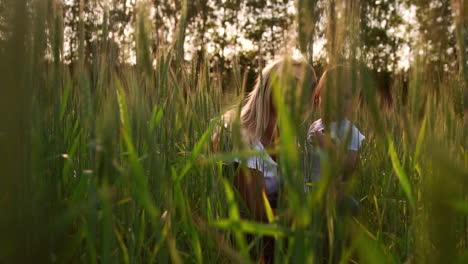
384,32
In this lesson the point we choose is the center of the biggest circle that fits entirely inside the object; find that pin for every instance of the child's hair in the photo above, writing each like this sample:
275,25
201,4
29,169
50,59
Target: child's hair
335,85
335,78
255,111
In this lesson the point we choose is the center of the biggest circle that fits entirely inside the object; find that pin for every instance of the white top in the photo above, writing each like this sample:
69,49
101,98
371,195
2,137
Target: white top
265,164
338,132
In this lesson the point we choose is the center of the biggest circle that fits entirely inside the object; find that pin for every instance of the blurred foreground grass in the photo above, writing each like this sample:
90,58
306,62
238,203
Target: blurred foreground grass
110,163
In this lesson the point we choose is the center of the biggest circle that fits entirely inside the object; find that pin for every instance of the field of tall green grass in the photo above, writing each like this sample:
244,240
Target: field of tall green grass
109,163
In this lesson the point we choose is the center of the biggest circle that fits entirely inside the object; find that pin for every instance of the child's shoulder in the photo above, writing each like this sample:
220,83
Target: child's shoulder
356,138
343,126
354,128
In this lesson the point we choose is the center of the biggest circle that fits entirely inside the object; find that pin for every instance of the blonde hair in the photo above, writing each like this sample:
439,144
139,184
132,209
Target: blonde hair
256,108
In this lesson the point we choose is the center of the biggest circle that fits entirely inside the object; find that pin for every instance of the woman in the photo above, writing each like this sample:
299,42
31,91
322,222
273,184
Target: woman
258,119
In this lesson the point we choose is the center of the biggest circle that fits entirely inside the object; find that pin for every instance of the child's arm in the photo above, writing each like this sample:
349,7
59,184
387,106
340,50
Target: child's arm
352,155
351,161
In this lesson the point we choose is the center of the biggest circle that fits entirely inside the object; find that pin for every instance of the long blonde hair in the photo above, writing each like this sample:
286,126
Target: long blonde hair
256,107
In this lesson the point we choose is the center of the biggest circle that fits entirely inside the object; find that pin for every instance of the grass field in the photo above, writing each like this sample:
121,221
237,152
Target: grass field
113,164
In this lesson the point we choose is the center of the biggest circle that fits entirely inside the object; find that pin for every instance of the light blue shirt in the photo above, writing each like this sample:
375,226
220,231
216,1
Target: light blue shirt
339,131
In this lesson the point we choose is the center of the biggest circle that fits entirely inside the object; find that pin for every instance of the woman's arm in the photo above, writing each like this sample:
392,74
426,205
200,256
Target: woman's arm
215,139
251,185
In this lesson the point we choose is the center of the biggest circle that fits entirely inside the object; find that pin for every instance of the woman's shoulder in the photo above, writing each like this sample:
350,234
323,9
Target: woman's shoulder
226,133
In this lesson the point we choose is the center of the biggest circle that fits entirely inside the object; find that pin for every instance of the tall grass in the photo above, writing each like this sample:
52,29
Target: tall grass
113,163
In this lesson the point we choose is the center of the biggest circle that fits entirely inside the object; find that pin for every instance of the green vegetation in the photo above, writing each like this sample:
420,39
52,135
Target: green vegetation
102,162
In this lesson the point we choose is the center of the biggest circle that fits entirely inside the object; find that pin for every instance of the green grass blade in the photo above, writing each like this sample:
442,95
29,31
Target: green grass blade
405,184
252,227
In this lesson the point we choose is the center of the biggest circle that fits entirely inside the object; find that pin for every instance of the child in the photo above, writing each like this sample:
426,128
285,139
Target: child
336,96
